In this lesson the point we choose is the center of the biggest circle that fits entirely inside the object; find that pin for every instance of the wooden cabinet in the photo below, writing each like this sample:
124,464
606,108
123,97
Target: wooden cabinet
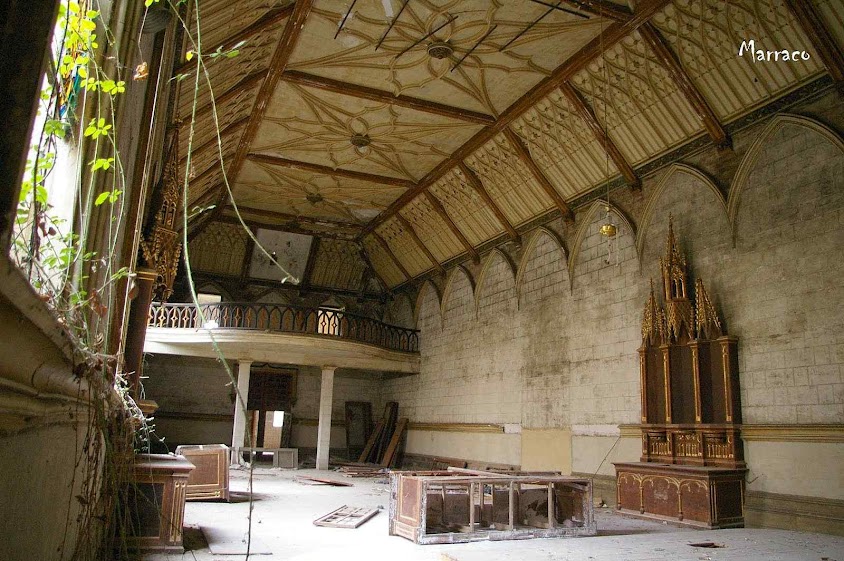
692,465
156,502
210,479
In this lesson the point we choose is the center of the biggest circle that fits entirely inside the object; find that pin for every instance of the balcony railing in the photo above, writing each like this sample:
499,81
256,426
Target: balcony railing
285,318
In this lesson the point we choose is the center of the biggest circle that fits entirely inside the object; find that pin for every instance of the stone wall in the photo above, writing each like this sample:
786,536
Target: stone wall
552,345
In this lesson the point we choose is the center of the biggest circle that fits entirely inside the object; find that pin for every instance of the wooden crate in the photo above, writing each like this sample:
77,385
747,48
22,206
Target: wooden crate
210,479
454,507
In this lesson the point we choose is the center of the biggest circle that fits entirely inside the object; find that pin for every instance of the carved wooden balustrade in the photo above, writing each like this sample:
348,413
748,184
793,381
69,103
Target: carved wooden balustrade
285,319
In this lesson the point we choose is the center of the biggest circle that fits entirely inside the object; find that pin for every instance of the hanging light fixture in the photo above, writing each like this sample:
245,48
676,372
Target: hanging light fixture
609,230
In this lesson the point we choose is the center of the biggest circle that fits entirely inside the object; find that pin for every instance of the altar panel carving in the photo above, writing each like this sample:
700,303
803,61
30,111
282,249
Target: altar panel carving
691,413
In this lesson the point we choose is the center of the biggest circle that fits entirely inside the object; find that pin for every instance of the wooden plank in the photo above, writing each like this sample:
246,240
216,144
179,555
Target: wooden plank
346,517
671,62
392,448
335,172
324,481
364,92
373,438
587,114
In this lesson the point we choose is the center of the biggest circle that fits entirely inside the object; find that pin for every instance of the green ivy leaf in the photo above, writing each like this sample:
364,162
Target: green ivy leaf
102,198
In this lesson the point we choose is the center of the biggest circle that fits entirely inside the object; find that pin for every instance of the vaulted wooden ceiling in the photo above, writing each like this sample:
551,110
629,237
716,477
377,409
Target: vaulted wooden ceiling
418,130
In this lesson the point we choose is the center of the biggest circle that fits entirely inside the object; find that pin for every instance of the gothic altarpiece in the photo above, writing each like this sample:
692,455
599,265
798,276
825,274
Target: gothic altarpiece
692,466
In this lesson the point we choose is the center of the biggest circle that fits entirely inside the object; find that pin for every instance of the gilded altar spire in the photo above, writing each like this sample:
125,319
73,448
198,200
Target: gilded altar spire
653,322
162,250
678,308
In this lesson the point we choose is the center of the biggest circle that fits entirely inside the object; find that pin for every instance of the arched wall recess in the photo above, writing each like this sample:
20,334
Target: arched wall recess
400,306
748,163
488,262
449,285
672,172
529,249
598,206
426,286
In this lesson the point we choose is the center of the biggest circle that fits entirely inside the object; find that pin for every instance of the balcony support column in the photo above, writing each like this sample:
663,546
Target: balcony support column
136,330
326,399
241,399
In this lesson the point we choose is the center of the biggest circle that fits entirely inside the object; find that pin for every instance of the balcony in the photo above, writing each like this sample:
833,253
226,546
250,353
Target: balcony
284,334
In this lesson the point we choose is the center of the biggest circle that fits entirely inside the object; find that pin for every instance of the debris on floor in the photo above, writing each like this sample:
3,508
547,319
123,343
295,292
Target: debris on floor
307,480
346,517
226,541
712,545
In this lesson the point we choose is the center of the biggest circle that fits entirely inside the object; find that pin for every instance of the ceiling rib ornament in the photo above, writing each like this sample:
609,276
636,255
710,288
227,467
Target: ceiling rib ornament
475,181
364,92
613,33
588,115
813,26
408,227
524,154
440,209
693,95
274,16
385,246
336,172
279,61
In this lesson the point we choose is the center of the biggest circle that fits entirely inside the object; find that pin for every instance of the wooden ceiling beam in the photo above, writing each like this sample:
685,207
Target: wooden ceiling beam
587,114
257,223
309,265
812,24
386,247
286,216
601,8
335,172
234,285
524,155
476,183
372,94
410,230
613,33
247,83
272,17
440,209
363,255
276,68
660,47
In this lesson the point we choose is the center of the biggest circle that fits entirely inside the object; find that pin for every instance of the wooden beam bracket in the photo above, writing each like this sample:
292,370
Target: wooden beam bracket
440,209
475,181
588,115
524,155
671,62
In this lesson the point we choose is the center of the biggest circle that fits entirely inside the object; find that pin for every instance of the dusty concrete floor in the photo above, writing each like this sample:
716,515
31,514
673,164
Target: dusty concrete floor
284,510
